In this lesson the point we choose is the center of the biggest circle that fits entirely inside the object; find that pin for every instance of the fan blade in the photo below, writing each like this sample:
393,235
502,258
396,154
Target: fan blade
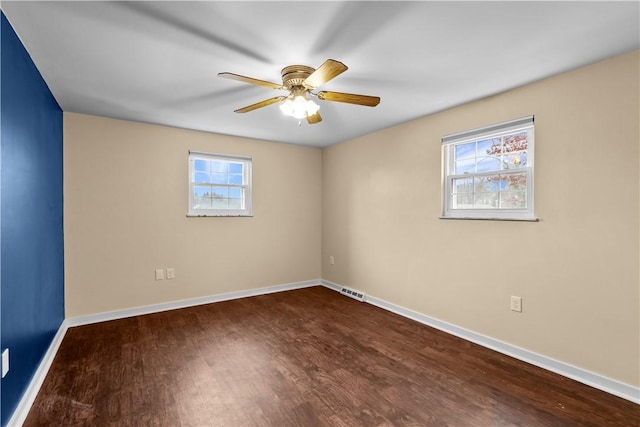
251,80
260,104
327,71
350,98
313,119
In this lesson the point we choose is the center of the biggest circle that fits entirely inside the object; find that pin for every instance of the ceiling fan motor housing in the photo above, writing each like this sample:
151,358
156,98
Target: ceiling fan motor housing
295,75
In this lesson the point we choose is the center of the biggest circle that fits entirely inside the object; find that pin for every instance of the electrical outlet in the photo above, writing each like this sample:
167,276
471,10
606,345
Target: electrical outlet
5,362
160,274
171,273
516,304
332,260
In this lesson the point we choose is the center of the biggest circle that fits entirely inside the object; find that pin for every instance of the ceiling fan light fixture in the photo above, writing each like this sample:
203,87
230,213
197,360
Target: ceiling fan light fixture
299,106
300,81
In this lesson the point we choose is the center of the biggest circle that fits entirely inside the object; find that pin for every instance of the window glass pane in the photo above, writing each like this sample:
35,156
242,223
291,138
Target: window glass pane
204,203
235,179
466,151
201,190
201,165
463,185
515,160
219,178
462,201
219,166
485,184
235,168
202,197
202,177
221,192
485,200
488,164
235,193
218,203
515,142
465,166
516,181
513,199
489,147
235,204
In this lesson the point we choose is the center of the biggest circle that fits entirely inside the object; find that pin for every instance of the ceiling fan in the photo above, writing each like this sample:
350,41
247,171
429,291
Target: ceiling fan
300,81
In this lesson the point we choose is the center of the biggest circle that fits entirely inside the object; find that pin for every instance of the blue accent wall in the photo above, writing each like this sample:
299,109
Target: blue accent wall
31,215
1,24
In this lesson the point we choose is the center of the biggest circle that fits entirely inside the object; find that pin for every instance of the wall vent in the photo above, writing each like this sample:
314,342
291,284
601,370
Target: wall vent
353,294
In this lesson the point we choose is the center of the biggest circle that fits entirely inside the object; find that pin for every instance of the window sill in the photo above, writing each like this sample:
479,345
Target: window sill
535,219
220,216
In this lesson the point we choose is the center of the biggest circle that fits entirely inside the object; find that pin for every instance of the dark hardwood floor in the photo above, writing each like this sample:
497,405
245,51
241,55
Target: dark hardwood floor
309,357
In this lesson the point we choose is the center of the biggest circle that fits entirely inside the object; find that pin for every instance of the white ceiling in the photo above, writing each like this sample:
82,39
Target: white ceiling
157,61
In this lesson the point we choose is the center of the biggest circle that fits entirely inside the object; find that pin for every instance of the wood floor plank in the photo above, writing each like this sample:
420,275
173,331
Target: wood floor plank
309,357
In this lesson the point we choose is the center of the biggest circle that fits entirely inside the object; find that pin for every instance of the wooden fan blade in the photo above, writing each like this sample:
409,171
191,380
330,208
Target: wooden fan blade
251,80
260,104
327,71
316,118
350,98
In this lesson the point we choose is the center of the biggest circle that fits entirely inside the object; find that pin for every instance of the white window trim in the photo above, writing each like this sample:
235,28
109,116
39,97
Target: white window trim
247,186
496,130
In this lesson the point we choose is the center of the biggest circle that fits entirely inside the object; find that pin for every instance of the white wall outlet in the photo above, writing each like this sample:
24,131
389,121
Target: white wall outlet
5,362
171,273
516,304
160,274
332,260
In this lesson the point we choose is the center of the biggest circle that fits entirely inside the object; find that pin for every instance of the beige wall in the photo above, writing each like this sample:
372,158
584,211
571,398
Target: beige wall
125,216
576,269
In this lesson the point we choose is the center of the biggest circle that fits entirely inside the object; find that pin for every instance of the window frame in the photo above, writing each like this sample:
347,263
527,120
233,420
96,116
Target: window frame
449,142
246,185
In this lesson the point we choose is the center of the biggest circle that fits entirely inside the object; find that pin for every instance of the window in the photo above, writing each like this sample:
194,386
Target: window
219,185
488,172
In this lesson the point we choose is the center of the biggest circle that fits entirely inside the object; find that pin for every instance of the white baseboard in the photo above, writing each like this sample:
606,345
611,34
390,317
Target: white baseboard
589,378
156,308
29,396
